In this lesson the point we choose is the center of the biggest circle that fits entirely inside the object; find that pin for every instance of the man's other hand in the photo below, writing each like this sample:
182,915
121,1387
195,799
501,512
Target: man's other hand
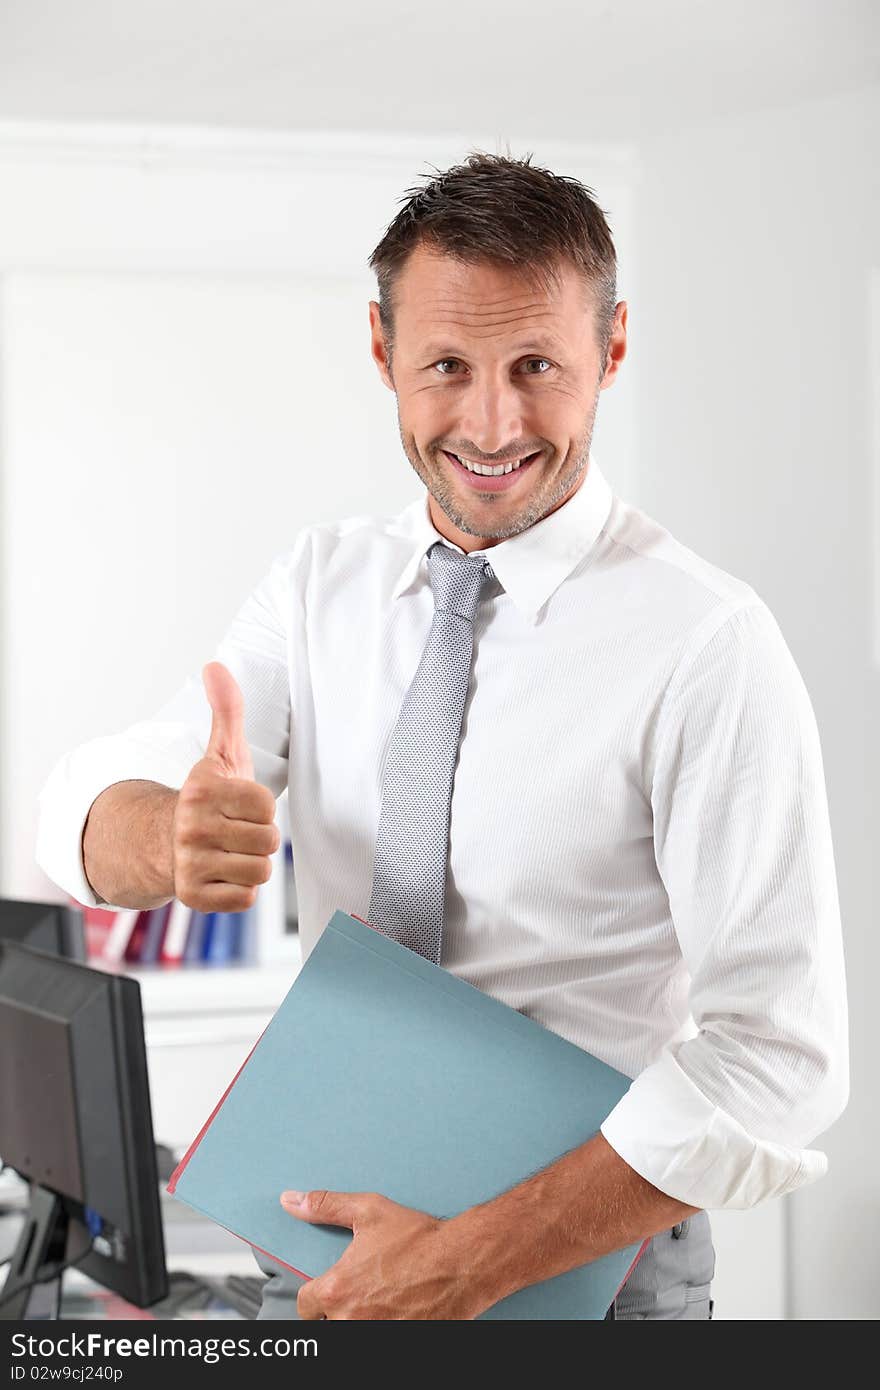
401,1264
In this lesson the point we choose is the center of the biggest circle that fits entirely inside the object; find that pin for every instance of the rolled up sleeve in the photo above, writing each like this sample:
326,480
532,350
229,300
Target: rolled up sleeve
743,844
166,747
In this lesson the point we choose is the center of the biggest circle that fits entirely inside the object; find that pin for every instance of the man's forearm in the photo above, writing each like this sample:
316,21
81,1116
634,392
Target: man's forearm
127,844
584,1205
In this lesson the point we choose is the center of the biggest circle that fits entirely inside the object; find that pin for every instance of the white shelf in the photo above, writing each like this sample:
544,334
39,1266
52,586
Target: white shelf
212,988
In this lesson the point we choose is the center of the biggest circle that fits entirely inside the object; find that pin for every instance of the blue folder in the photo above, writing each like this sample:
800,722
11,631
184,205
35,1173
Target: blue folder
382,1072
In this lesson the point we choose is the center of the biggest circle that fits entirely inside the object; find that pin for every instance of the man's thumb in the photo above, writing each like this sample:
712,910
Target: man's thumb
227,742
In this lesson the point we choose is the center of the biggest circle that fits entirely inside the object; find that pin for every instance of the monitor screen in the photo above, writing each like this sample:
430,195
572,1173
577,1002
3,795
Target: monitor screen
75,1120
52,927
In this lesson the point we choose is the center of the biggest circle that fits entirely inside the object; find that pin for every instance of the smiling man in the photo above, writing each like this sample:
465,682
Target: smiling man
578,769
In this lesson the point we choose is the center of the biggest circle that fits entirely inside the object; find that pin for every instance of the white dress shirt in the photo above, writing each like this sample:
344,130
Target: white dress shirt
640,851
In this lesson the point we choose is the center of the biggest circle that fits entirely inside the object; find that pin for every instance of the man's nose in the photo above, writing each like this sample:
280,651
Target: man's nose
492,414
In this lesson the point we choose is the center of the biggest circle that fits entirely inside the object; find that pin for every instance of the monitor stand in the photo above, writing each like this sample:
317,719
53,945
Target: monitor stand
39,1255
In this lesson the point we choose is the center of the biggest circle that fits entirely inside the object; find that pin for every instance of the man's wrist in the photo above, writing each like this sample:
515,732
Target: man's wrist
127,844
497,1245
481,1258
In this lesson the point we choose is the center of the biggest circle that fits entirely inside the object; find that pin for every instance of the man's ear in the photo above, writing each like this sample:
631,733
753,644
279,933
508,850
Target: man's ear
381,355
616,345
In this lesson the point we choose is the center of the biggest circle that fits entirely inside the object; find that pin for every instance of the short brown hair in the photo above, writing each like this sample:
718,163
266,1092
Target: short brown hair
503,211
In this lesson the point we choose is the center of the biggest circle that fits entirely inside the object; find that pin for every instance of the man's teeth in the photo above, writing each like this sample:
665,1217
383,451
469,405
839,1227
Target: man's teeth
486,470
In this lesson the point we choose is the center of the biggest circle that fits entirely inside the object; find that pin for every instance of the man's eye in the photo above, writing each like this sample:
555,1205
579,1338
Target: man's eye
454,363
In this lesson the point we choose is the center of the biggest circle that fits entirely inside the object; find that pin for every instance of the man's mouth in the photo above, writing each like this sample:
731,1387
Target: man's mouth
490,470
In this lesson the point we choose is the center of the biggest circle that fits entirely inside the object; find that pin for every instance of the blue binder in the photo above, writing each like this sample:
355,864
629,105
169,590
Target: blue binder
382,1072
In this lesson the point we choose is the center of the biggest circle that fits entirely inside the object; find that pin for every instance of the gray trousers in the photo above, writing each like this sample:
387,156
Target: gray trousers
673,1277
671,1280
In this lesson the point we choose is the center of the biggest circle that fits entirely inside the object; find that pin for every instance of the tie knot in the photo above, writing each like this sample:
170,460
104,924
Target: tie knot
457,580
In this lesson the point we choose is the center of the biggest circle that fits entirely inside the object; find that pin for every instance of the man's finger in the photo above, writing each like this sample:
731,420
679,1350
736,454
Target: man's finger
330,1208
308,1302
227,743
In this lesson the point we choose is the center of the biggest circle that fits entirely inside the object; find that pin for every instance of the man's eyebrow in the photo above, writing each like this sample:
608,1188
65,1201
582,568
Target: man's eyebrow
538,342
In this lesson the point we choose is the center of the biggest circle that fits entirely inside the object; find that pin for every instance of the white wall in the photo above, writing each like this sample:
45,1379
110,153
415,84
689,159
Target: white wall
757,243
165,437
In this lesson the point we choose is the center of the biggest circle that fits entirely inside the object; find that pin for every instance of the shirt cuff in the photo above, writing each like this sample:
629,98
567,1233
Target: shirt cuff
78,778
678,1140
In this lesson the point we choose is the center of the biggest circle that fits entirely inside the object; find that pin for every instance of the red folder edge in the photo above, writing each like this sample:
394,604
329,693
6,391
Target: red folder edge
639,1254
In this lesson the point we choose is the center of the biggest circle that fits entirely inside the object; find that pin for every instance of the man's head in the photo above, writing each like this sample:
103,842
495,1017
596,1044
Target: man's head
497,327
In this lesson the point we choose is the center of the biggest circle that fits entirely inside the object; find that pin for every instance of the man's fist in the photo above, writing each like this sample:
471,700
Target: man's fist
224,823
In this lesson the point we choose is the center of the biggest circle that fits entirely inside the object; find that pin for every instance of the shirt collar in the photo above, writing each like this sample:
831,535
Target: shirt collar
531,566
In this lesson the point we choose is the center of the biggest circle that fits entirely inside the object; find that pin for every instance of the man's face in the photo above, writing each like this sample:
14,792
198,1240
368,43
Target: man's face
489,370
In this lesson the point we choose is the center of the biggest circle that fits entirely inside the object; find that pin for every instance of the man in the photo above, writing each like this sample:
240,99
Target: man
532,736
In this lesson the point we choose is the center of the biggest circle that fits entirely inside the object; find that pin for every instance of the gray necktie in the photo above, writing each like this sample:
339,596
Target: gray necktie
412,846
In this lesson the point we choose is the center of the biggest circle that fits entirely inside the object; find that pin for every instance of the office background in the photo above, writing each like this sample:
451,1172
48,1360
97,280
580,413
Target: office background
189,194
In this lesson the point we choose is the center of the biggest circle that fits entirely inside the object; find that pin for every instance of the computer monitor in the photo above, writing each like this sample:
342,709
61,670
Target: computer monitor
75,1121
47,926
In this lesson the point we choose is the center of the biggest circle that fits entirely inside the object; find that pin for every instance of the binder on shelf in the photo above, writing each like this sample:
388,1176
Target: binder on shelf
196,938
291,903
98,924
210,924
154,933
225,939
124,923
269,942
174,941
382,1072
135,943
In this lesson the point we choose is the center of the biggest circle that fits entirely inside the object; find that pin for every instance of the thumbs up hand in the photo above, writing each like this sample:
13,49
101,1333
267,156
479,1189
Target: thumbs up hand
224,827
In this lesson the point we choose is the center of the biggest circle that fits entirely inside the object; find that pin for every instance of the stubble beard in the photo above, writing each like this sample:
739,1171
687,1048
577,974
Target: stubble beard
533,509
